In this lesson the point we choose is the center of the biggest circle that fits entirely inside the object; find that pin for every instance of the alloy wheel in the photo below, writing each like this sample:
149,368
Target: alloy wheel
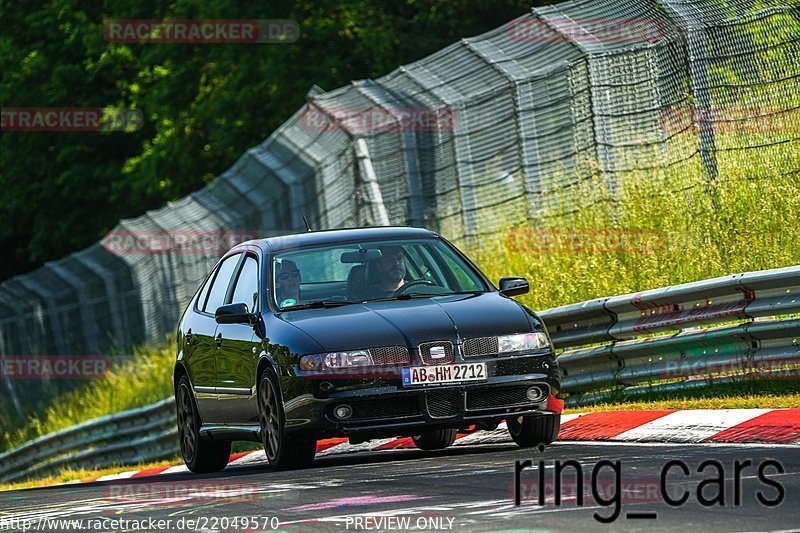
270,420
186,424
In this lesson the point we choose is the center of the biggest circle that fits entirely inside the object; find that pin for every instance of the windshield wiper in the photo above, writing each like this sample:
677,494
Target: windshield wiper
319,304
408,296
467,292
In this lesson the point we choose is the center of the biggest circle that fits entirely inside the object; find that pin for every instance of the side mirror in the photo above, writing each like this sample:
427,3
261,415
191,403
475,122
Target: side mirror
233,314
514,286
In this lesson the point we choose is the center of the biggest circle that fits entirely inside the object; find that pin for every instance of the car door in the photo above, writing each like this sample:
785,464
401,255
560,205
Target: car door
202,367
237,353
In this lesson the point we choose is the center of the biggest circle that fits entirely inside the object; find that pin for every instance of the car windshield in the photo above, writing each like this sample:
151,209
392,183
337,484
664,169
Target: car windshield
332,275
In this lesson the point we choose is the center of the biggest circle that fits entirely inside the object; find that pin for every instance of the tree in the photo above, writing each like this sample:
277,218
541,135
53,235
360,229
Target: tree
203,104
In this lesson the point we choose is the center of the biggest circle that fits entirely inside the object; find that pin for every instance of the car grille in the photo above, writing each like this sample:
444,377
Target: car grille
446,346
481,346
513,366
388,408
499,397
390,355
444,404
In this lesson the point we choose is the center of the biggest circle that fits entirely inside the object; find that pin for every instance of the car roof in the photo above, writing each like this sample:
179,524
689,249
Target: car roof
313,238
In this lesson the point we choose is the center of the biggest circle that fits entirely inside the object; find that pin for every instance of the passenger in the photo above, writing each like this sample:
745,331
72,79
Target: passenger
287,283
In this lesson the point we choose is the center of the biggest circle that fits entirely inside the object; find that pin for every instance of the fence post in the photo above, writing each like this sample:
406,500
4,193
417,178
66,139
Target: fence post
409,147
367,177
695,48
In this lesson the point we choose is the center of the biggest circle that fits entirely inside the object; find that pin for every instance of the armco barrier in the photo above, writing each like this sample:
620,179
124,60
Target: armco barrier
737,297
609,349
681,332
143,434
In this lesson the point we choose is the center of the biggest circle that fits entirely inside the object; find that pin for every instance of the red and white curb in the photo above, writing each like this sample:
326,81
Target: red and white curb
739,426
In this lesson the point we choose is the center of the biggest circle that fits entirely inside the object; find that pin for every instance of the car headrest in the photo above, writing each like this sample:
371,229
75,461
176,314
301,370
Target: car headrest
356,281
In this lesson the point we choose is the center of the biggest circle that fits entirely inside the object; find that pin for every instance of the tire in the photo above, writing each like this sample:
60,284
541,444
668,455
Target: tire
200,455
282,451
435,439
536,430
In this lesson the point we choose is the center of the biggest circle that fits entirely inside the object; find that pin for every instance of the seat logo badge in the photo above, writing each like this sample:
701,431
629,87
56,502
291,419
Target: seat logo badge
437,352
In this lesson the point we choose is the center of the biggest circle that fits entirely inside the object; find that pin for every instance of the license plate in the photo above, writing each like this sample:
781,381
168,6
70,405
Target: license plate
425,375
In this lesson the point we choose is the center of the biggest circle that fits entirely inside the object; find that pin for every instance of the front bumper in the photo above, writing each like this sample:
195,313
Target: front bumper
393,410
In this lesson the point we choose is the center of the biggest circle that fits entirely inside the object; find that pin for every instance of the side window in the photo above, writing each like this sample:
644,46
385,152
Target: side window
201,299
216,295
246,290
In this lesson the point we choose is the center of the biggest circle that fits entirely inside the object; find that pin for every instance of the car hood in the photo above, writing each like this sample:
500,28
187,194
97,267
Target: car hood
410,322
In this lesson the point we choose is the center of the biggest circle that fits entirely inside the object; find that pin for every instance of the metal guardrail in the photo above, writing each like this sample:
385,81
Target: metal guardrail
662,337
650,342
143,434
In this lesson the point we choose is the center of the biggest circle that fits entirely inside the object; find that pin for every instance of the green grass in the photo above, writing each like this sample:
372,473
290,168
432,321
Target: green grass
727,401
144,380
736,395
69,475
651,237
645,235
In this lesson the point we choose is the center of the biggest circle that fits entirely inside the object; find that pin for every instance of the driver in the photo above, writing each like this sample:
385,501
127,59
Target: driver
392,269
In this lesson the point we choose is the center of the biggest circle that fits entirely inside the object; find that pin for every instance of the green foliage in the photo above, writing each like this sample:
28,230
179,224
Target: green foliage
734,395
203,104
652,236
145,379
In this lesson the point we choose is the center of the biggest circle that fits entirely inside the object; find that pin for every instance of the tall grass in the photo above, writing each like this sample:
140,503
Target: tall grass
147,378
648,236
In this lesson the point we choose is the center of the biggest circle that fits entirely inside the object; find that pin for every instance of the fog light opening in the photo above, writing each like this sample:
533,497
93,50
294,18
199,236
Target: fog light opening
536,394
343,412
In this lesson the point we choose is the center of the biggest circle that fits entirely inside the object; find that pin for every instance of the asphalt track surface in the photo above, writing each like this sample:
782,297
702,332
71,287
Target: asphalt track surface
468,488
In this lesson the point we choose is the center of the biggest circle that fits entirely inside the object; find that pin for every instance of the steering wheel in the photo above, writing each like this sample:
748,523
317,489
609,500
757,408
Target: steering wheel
403,288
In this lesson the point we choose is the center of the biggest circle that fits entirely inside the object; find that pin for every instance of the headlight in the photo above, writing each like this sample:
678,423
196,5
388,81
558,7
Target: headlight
523,342
335,360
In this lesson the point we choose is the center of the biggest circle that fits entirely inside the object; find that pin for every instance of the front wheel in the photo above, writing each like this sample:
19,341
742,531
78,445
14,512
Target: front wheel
534,430
282,452
200,455
435,439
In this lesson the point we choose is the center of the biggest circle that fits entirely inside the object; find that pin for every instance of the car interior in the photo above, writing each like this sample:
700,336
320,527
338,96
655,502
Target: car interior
364,273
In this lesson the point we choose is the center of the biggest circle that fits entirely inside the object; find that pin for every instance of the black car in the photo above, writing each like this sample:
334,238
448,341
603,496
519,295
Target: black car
364,333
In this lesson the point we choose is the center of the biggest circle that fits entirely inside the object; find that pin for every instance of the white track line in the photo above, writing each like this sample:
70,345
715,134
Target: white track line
177,469
256,457
122,475
692,425
346,447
